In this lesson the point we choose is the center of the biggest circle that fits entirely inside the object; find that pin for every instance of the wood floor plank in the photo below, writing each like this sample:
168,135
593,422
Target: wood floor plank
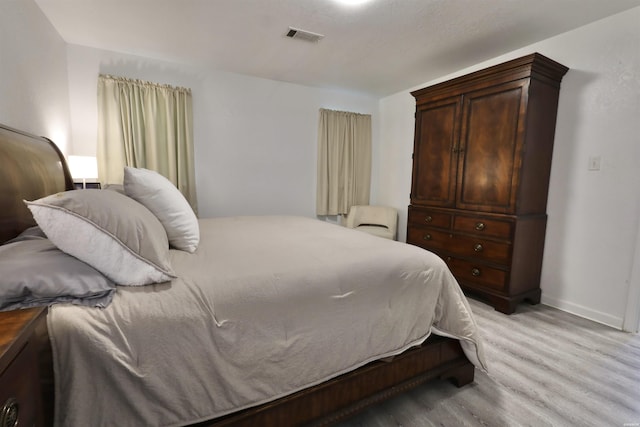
546,368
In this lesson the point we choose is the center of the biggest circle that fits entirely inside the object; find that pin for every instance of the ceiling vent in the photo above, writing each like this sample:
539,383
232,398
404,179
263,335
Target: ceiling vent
296,33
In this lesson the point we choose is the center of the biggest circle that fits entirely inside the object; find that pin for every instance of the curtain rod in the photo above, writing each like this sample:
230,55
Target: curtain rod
143,82
344,112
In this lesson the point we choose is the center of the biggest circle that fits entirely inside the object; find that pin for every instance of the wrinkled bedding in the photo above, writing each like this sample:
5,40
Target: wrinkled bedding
35,273
265,307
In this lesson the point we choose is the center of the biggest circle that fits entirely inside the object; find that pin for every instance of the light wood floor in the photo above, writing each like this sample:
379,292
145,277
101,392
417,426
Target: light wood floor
546,368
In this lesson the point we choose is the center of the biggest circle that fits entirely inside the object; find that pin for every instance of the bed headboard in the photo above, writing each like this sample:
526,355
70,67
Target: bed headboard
30,167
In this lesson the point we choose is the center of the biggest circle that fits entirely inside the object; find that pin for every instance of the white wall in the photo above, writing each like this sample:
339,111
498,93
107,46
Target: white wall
259,156
33,73
254,139
593,216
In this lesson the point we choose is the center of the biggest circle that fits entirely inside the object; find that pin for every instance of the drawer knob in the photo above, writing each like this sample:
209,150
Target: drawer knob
480,226
9,413
428,218
478,247
427,237
475,272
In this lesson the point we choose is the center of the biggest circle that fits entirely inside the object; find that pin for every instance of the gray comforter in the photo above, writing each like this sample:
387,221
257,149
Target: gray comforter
265,307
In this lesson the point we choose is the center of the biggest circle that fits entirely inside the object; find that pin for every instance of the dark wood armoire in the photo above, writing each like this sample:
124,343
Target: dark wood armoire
481,165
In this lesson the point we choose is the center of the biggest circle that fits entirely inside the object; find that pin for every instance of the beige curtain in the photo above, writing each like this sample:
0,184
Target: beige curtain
344,161
145,125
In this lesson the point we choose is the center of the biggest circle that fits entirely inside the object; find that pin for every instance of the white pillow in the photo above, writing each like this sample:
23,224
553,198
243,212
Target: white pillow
109,231
166,202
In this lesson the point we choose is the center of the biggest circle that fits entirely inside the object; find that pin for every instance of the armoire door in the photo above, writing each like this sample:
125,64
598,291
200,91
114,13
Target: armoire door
435,157
491,147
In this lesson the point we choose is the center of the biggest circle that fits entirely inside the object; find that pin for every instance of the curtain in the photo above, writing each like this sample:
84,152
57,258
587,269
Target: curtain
145,125
344,161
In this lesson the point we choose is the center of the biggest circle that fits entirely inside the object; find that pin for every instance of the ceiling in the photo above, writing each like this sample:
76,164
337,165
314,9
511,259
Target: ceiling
378,48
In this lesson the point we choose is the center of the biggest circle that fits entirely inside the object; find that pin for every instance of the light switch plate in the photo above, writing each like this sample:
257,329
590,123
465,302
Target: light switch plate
594,163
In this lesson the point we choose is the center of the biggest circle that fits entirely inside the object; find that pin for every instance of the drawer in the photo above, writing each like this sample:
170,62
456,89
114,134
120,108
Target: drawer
428,217
477,273
428,238
19,388
483,226
463,246
475,247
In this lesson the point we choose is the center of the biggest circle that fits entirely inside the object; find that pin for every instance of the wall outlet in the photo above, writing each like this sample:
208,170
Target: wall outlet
594,163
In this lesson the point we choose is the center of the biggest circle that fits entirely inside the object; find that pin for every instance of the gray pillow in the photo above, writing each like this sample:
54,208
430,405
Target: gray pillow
33,272
111,232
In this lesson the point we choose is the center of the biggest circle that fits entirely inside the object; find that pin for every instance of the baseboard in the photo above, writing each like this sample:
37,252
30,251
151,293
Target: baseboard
587,313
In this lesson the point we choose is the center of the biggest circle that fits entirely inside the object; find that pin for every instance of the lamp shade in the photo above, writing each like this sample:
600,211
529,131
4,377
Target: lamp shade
83,167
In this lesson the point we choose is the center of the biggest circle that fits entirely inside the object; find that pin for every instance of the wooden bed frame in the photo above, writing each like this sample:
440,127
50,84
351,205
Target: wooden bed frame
32,167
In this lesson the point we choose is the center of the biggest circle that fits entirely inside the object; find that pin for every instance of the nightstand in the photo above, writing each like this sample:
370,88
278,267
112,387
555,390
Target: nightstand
24,345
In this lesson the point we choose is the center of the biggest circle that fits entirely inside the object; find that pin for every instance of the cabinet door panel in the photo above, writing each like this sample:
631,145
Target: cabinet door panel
490,148
435,153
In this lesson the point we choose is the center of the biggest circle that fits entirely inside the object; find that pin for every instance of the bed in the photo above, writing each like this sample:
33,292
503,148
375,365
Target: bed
272,321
